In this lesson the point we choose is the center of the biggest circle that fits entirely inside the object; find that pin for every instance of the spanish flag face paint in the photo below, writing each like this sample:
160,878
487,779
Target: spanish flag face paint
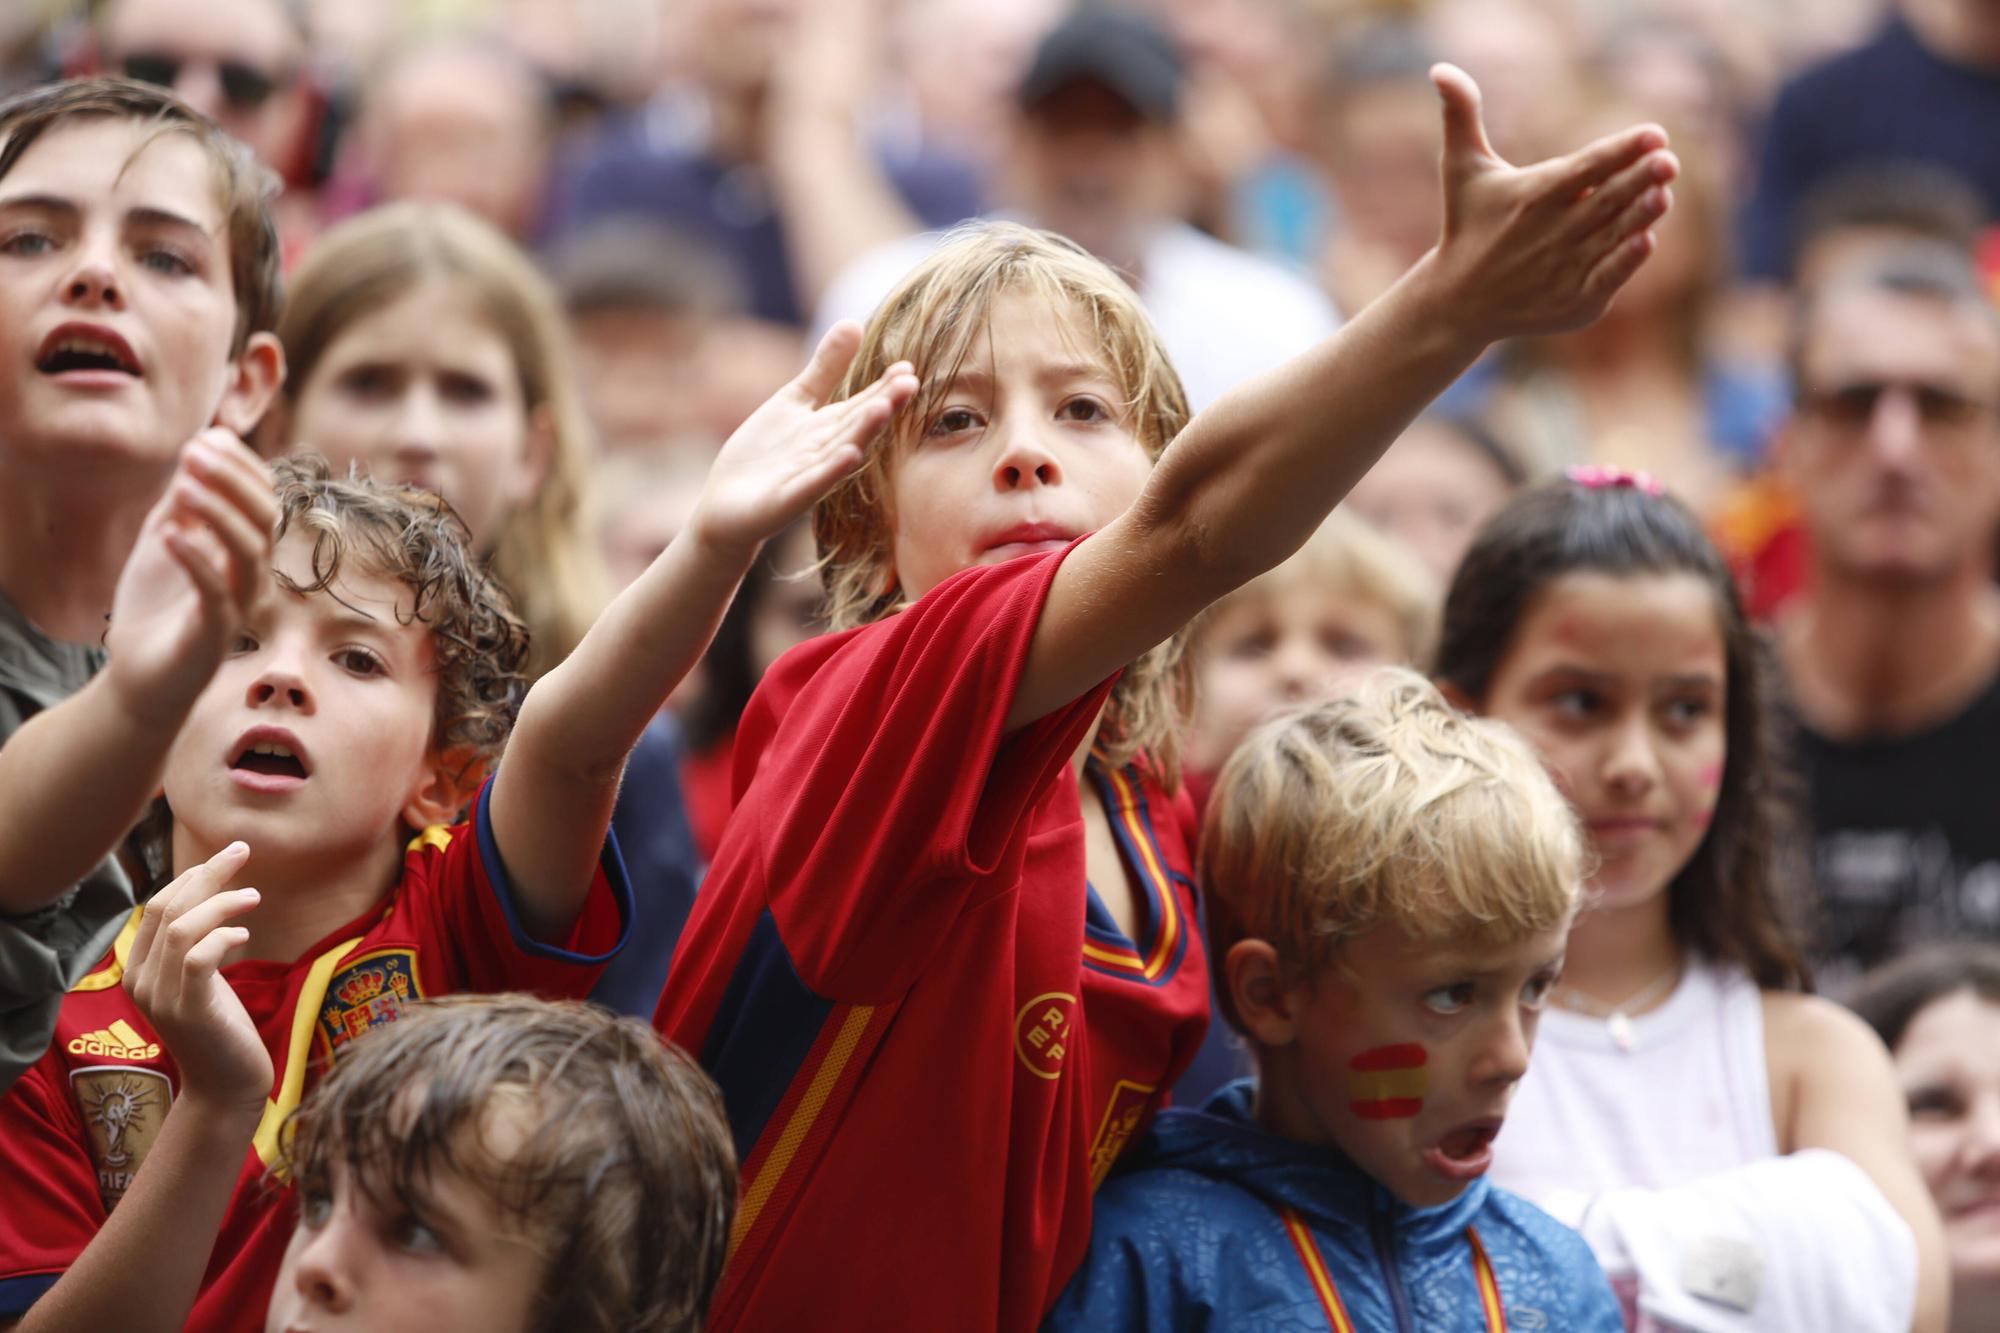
1388,1082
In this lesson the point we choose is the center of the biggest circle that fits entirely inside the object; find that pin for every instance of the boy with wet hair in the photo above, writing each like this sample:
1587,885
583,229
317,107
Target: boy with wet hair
356,716
1392,884
575,1170
138,288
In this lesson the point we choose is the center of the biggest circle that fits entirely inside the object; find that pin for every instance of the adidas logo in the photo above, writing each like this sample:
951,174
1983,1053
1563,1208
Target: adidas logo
120,1041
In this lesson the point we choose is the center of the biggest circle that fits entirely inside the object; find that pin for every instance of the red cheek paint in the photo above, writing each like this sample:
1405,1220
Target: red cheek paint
1711,776
1388,1082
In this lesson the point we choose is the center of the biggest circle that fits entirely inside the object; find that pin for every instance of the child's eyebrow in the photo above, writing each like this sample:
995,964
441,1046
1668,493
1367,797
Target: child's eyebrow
145,214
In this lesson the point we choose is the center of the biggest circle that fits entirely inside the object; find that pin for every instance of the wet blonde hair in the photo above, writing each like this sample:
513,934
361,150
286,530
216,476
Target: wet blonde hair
544,554
931,321
1348,559
1390,808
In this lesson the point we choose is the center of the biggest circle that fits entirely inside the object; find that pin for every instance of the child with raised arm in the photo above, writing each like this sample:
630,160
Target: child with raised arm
138,287
362,705
1390,887
941,975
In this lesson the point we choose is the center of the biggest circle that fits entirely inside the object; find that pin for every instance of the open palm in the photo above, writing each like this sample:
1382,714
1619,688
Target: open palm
797,446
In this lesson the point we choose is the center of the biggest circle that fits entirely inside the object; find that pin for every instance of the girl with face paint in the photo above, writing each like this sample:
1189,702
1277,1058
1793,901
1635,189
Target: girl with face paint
1594,617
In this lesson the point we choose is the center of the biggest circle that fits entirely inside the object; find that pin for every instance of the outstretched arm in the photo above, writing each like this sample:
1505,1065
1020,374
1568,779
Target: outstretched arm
553,795
1524,250
74,779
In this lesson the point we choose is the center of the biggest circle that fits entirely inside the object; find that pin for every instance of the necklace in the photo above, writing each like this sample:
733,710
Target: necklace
1618,1017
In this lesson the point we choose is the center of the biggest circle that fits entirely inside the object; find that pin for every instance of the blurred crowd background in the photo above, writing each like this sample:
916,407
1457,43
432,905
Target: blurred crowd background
705,183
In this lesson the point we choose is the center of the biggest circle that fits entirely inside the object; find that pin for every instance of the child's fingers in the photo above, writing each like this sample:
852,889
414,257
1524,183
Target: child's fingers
179,937
1616,195
245,544
1637,216
193,886
208,956
1465,142
1616,268
878,402
202,563
218,457
1595,163
829,362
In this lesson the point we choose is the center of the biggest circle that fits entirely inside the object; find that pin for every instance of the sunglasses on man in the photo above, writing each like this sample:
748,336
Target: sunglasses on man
244,86
1852,406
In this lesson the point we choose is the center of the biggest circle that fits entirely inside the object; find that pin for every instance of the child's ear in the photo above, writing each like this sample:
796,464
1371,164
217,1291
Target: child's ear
1264,1003
254,377
451,779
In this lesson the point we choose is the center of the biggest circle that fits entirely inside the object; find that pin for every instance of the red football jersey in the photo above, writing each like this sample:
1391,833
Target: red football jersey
75,1127
932,1038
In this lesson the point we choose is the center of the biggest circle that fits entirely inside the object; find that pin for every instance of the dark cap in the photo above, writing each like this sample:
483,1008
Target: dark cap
1126,53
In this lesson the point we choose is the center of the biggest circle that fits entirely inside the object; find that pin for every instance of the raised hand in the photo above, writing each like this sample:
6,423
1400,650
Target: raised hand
202,560
174,975
1543,248
796,447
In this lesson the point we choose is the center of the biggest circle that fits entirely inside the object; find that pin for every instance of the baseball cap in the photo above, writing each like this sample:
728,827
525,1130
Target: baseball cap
1125,52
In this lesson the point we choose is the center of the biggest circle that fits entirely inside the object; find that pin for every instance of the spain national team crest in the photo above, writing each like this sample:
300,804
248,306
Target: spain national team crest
364,994
123,1108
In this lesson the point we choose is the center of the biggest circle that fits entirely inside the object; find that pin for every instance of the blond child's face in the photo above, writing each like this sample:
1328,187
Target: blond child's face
1300,643
1404,1054
1029,450
117,305
424,391
1620,685
457,1264
313,741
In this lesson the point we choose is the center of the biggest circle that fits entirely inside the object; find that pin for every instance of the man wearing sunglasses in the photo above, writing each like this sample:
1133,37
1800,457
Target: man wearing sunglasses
236,61
1893,649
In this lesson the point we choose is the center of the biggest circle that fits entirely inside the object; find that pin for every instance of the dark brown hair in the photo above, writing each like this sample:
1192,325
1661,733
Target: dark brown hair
412,536
625,1175
1731,901
244,185
1890,998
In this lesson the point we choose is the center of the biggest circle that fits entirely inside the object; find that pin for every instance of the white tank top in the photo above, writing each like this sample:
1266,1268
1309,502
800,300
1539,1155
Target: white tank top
1689,1097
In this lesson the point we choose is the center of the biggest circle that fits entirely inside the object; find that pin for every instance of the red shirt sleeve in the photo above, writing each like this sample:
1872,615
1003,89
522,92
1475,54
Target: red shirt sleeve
885,797
53,1207
467,904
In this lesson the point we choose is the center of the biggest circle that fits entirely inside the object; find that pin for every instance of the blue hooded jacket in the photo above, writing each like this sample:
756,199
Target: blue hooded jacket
1188,1236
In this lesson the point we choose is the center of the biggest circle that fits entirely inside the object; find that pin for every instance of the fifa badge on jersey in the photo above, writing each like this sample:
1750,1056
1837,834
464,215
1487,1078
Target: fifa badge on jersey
123,1108
364,994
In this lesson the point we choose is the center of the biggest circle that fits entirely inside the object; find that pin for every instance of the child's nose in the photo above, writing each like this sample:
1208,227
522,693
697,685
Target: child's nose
322,1275
1506,1056
281,683
1025,460
94,284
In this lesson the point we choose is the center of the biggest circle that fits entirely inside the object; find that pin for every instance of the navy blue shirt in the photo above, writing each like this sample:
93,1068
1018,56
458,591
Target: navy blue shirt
661,865
1890,100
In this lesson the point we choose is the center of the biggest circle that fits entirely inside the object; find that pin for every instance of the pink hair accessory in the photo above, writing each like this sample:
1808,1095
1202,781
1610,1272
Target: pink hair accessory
1598,476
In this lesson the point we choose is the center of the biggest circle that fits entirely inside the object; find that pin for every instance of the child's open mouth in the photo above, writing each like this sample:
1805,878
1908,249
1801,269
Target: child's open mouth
1464,1153
86,352
269,759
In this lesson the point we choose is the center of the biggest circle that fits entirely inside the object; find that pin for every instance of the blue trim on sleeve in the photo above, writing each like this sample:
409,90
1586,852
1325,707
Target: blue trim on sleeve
764,1029
503,889
18,1293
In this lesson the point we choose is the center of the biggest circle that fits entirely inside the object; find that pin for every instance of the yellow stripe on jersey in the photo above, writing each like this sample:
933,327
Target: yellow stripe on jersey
292,1086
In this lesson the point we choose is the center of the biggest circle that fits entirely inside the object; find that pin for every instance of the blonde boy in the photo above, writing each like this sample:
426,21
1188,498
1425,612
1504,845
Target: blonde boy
1391,886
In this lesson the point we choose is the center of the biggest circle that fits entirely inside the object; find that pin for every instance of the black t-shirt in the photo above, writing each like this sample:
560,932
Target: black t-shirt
1906,838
